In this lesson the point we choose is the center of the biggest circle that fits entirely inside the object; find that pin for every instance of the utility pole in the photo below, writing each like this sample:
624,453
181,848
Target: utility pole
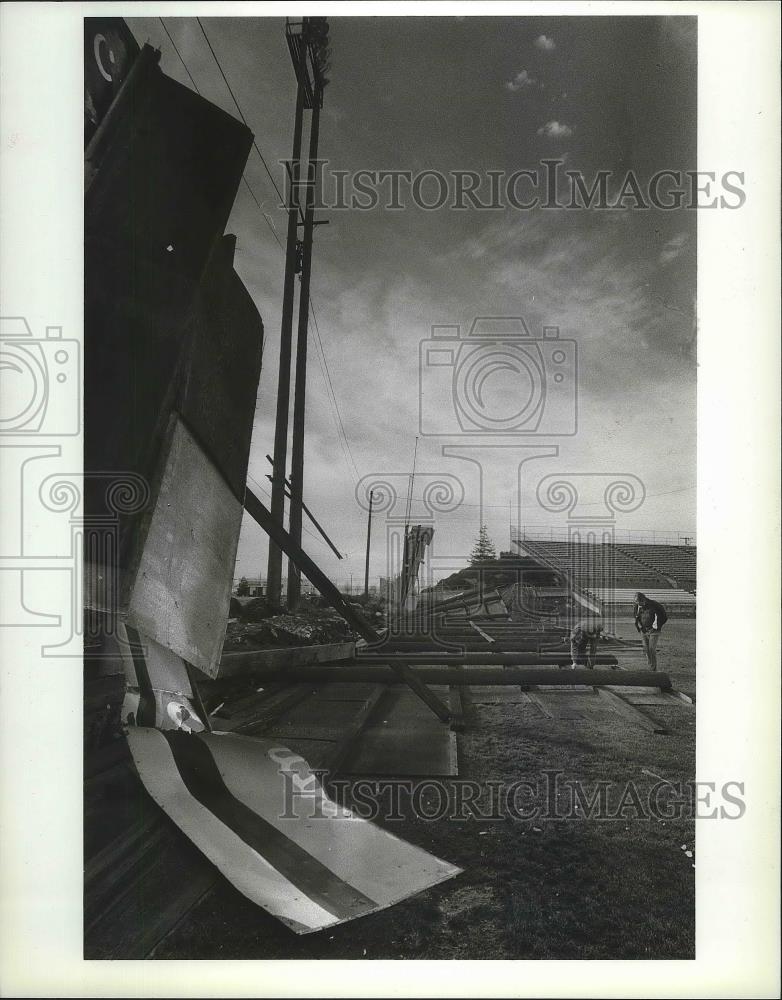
369,538
300,390
274,572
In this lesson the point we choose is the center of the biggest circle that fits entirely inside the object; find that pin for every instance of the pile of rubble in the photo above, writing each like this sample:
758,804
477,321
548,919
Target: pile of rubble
255,623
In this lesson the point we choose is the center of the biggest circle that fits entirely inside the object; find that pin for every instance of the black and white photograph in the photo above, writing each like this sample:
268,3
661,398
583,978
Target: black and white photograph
376,498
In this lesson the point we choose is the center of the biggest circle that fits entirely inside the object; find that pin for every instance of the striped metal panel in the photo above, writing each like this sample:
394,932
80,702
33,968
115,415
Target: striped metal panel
300,856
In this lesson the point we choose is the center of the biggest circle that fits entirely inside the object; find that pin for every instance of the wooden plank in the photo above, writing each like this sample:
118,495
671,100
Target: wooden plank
353,733
318,578
470,673
680,696
172,878
344,692
541,703
644,698
245,706
480,632
397,754
630,712
487,695
271,710
310,711
563,705
280,659
182,588
465,703
628,689
403,739
138,888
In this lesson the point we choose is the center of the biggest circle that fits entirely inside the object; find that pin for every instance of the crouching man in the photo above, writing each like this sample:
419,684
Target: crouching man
583,643
649,620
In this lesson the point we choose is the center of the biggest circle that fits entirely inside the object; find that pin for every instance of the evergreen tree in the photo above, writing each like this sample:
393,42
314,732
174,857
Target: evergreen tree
483,548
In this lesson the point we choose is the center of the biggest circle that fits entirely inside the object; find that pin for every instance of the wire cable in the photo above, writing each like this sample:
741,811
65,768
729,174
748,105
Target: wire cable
179,54
238,108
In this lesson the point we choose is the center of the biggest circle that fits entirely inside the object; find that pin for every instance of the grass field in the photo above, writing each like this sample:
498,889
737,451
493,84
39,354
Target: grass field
578,887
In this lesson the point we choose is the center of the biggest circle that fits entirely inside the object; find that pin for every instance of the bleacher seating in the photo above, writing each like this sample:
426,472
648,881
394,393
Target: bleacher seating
596,565
675,561
611,574
621,601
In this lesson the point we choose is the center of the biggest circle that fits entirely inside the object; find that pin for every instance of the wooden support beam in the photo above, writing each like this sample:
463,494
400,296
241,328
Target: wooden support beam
271,709
277,533
679,696
481,633
630,712
468,673
266,660
535,698
466,705
352,733
529,657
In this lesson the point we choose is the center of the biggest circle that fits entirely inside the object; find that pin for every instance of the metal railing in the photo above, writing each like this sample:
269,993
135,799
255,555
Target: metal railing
545,533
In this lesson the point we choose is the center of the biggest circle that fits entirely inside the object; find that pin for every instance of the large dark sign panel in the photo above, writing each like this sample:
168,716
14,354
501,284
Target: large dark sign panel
109,52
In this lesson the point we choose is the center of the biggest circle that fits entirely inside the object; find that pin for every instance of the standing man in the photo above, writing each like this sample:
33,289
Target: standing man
583,643
649,620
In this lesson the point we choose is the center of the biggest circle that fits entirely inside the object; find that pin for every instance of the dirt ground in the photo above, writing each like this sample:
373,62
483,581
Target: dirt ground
617,886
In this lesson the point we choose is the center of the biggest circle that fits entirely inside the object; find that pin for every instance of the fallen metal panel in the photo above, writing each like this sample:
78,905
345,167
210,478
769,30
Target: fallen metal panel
158,691
304,859
319,754
182,588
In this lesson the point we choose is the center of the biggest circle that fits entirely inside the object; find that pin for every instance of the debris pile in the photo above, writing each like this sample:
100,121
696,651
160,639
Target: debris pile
257,623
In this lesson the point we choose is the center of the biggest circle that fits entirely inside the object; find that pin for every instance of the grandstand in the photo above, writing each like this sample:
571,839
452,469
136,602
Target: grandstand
620,601
605,577
676,562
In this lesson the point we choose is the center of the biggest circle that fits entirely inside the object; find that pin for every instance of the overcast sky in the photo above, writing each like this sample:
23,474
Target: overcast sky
482,94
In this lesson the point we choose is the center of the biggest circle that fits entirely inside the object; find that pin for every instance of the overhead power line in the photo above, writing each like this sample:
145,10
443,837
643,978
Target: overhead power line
238,108
173,43
330,384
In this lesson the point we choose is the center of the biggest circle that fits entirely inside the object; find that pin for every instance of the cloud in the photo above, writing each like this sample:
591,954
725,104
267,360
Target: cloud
520,81
544,43
555,130
674,247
